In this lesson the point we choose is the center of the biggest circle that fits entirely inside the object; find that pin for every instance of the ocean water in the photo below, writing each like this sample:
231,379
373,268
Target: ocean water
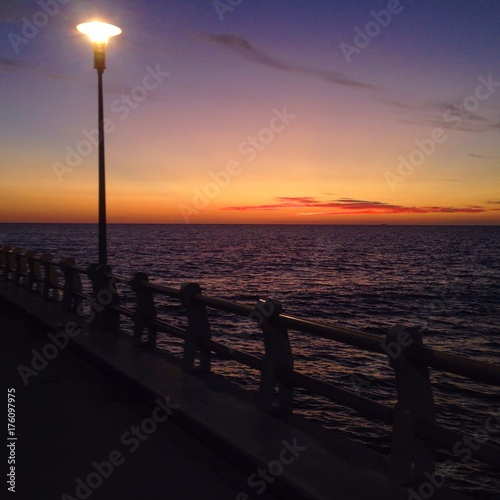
444,279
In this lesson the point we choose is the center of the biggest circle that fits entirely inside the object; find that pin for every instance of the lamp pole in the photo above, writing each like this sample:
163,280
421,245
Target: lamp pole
103,245
99,34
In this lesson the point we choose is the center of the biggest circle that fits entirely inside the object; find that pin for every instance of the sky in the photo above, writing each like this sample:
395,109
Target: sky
254,111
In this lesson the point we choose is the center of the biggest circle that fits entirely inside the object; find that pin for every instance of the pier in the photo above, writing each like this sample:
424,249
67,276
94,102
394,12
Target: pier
209,434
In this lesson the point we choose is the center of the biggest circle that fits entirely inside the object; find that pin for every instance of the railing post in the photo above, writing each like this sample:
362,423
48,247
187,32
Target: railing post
411,458
198,328
34,273
10,263
72,284
22,267
278,353
13,263
49,277
6,256
145,311
105,296
18,262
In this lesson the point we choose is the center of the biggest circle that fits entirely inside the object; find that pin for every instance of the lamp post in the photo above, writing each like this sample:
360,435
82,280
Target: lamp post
99,34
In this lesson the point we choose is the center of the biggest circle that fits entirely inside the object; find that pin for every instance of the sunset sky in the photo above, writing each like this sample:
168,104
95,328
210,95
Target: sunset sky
267,111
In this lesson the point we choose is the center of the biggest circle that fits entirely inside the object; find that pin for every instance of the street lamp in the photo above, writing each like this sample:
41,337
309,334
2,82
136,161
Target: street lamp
99,34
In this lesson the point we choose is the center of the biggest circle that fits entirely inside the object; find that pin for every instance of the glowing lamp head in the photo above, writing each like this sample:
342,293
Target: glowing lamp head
99,34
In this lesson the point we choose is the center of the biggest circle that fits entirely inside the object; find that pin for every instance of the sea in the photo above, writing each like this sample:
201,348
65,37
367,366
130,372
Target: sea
444,280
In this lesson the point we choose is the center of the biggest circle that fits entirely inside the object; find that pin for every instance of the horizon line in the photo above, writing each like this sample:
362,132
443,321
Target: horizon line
493,224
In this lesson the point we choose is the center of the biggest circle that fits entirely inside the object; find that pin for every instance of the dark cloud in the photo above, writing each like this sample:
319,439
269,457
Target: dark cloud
12,65
482,157
8,66
245,49
446,115
299,200
349,206
350,201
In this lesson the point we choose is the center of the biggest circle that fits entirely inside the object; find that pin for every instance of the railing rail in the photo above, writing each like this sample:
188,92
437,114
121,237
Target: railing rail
415,432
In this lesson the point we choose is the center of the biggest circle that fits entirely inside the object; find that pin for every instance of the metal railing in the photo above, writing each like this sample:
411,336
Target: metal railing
415,434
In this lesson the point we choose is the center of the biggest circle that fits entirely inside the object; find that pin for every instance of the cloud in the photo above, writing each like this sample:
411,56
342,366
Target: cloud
349,206
245,49
446,115
493,202
482,157
8,66
11,66
449,115
298,200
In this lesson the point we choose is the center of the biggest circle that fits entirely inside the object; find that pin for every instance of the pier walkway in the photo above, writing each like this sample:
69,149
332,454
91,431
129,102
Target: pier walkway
71,415
99,401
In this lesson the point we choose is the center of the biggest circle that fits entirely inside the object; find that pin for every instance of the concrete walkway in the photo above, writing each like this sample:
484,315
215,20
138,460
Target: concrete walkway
70,415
